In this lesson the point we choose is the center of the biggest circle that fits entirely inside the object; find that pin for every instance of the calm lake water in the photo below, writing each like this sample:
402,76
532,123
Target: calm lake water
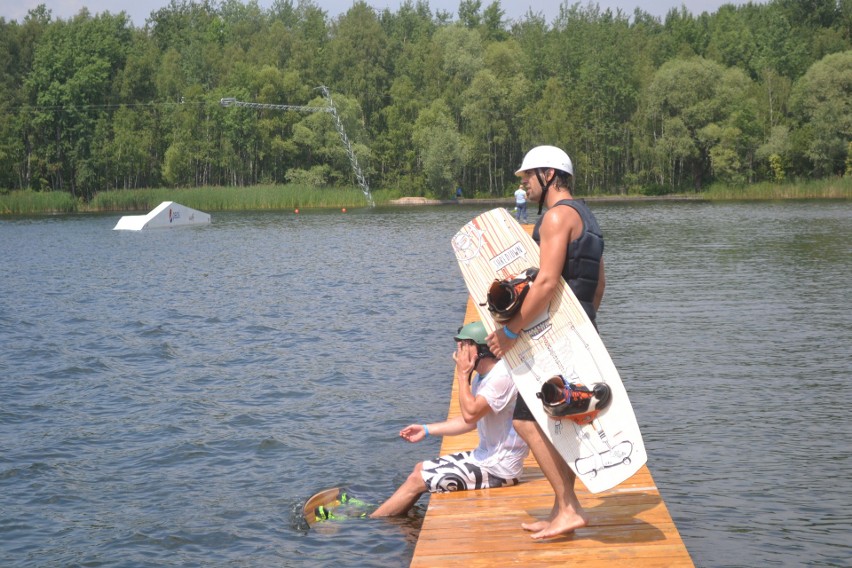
170,397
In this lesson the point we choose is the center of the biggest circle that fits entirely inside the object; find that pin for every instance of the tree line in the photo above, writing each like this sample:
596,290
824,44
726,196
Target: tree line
429,100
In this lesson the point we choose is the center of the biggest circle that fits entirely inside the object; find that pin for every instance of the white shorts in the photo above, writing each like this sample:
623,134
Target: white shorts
457,472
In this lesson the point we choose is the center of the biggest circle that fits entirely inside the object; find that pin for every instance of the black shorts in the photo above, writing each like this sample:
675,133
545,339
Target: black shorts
522,411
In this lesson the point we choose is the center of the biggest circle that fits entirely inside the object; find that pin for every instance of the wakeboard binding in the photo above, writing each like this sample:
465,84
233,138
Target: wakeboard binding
573,401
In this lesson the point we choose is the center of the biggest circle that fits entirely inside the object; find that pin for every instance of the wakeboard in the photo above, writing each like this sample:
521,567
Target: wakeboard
334,504
562,341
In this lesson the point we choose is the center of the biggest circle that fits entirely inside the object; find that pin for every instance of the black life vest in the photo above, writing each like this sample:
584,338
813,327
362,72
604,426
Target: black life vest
583,258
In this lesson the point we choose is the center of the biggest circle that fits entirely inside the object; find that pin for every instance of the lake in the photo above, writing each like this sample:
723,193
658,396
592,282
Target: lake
170,397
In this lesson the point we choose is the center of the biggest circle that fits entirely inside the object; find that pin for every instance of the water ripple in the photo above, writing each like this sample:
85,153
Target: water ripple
172,397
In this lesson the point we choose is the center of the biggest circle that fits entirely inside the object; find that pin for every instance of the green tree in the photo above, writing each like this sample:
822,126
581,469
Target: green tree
357,55
603,96
486,128
692,106
320,147
440,147
396,156
731,42
822,109
469,15
775,153
128,151
461,56
493,23
272,145
753,91
311,37
532,34
71,79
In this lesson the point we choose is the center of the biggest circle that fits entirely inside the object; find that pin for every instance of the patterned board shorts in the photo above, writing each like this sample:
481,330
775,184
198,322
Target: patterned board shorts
457,472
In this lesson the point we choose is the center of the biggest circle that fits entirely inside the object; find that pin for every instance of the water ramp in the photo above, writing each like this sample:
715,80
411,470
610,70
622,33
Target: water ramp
166,214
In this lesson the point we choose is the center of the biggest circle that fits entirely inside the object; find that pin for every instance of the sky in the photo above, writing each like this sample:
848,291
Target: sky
139,10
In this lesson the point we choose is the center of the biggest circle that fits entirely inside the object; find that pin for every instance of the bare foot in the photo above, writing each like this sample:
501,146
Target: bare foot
562,525
536,526
541,525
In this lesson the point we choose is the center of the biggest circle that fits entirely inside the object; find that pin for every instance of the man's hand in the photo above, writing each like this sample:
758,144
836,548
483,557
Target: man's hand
412,433
465,358
499,343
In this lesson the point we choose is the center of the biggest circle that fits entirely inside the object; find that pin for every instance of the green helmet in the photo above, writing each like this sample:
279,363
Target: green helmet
474,331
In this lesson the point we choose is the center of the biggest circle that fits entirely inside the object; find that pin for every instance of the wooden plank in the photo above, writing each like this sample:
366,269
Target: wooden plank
629,525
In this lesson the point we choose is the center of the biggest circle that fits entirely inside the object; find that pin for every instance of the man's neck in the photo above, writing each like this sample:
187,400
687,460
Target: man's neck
485,365
555,195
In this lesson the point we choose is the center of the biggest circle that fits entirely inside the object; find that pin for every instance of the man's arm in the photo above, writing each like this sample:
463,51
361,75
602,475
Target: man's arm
472,408
453,427
557,229
599,291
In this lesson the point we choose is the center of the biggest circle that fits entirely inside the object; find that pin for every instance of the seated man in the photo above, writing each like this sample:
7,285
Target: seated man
487,402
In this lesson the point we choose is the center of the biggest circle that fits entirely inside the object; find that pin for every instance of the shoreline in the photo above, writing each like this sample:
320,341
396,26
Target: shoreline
414,201
273,198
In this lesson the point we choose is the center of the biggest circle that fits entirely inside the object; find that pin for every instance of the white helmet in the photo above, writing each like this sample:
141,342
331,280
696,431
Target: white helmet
546,157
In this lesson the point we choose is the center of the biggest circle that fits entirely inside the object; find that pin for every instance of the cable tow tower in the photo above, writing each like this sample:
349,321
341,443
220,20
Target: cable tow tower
338,124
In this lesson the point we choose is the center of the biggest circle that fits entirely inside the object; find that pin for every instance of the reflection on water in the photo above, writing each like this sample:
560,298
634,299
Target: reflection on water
170,397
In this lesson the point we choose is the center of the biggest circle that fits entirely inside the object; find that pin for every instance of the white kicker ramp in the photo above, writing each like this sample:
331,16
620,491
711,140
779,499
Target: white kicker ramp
166,214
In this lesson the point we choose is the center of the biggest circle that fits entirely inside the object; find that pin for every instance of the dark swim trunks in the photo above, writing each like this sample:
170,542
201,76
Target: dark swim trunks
522,411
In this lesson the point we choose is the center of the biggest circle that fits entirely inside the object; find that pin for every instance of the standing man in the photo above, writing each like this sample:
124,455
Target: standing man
520,204
572,248
487,402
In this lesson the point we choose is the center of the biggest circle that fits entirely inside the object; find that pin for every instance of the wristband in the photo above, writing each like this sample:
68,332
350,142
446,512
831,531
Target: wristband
426,429
509,333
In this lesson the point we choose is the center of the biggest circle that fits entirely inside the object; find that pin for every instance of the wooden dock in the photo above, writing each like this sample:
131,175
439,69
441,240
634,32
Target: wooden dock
629,525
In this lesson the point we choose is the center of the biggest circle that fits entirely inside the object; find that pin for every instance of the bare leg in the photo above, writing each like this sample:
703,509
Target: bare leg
405,497
566,515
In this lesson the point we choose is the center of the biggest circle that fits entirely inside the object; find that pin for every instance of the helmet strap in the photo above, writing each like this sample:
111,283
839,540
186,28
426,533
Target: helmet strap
482,351
544,188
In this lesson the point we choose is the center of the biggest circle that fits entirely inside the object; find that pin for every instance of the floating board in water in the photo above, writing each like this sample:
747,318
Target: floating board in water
332,505
562,341
166,214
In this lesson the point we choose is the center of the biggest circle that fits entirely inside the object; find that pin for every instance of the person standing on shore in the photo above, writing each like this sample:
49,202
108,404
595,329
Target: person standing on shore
520,204
571,246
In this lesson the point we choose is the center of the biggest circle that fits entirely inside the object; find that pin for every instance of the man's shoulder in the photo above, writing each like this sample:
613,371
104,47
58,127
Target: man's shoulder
499,374
500,368
562,218
497,387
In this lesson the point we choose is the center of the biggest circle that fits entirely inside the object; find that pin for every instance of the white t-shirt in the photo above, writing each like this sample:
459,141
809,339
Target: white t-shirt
520,196
501,450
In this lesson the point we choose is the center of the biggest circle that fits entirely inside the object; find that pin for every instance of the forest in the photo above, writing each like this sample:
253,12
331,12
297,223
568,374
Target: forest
429,100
